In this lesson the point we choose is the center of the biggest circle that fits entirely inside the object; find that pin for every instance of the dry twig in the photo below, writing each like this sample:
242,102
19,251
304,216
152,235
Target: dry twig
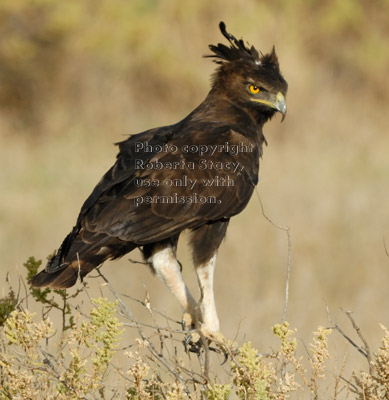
286,229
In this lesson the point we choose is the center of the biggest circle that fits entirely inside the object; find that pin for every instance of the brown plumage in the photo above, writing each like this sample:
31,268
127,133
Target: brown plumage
160,186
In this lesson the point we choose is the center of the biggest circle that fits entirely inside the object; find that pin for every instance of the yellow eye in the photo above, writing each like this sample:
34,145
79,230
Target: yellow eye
254,89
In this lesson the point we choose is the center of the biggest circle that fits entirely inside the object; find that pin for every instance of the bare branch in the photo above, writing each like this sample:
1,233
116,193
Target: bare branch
137,262
359,333
365,351
154,310
386,249
286,229
349,383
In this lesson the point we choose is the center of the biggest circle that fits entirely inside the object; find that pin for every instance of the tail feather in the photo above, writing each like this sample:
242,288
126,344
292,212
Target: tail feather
62,279
84,252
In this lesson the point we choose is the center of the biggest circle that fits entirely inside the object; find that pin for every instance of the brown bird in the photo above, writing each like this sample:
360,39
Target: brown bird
195,174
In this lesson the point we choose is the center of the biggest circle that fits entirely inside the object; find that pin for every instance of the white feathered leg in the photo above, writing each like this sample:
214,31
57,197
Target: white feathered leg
205,273
168,269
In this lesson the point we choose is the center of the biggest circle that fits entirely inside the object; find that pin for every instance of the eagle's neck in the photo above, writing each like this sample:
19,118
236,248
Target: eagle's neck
222,110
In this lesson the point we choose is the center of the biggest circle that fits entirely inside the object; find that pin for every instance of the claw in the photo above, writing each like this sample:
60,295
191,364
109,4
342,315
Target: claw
192,346
225,353
195,341
187,322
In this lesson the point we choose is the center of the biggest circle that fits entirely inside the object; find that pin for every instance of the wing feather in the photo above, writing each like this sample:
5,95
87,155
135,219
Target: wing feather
123,206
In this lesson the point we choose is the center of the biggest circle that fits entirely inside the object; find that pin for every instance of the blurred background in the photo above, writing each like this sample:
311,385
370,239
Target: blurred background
77,76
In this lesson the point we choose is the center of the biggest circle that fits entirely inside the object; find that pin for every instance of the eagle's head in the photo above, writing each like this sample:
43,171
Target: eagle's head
249,79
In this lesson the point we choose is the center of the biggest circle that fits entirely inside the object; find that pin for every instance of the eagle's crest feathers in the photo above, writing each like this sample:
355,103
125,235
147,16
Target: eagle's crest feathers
240,51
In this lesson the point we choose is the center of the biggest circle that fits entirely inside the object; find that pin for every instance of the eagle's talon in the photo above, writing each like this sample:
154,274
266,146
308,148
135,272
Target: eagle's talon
192,346
226,354
216,337
195,341
220,341
187,322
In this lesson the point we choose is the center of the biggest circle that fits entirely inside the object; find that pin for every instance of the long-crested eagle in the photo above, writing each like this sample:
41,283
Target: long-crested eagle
195,174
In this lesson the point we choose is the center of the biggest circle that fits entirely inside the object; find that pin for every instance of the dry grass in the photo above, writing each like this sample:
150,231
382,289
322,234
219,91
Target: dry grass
324,173
103,351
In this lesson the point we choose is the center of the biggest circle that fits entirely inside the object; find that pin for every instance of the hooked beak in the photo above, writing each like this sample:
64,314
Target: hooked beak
280,105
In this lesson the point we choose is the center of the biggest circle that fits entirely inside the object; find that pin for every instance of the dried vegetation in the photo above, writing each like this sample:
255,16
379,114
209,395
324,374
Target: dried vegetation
88,358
